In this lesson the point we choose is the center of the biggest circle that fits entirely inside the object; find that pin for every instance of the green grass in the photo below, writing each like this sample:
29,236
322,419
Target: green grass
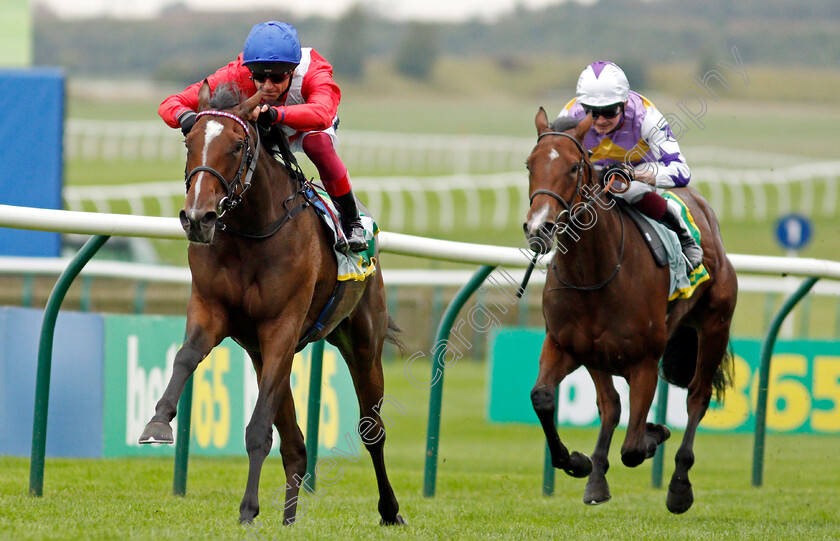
488,487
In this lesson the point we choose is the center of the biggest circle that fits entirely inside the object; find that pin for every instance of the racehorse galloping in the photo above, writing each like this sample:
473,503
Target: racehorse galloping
262,272
606,308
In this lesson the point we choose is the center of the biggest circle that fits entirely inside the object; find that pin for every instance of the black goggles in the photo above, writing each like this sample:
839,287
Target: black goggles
610,111
275,78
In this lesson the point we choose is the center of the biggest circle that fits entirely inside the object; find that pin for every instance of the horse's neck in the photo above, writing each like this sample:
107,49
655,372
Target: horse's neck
271,186
592,243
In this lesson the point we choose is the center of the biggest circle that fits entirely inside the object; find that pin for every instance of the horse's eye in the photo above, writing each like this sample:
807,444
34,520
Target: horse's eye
574,169
528,166
239,146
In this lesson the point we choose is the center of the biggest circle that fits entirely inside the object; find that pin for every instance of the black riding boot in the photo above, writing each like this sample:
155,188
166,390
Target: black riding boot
692,252
350,224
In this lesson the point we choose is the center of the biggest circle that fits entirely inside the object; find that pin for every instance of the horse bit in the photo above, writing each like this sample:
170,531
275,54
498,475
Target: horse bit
249,161
584,205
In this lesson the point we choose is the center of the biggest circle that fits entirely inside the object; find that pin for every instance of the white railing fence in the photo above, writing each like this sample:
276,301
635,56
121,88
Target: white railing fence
418,181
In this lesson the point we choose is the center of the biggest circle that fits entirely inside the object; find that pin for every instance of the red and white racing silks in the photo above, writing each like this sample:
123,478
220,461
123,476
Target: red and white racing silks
311,104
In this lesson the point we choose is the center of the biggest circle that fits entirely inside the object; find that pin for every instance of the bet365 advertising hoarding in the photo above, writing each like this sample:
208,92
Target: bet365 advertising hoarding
803,396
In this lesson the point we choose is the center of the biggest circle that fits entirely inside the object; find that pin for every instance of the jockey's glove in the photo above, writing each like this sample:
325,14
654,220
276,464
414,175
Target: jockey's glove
617,177
268,117
187,121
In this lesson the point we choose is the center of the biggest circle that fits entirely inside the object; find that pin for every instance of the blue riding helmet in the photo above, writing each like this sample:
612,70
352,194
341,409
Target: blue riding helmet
271,47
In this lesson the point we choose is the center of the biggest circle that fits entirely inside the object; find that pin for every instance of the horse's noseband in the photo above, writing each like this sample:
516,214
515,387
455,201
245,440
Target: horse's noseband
249,162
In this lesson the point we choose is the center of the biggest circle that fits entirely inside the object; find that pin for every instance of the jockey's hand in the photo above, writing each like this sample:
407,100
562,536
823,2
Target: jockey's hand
266,115
617,177
187,121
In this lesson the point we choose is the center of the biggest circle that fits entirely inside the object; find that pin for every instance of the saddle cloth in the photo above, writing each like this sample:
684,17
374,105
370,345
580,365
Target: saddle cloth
682,284
351,266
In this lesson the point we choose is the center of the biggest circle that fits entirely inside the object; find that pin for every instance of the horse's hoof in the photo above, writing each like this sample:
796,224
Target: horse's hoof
633,458
680,496
658,432
396,522
247,517
579,465
596,492
157,432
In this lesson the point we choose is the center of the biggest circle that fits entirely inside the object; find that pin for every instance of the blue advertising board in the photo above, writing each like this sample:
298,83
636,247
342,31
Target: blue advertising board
108,371
74,428
31,145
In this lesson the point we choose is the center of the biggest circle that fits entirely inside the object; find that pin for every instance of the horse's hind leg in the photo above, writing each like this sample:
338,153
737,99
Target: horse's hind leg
712,348
554,366
293,451
360,341
203,334
609,410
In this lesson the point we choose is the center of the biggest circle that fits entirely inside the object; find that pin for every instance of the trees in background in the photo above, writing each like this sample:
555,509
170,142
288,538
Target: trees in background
349,46
418,51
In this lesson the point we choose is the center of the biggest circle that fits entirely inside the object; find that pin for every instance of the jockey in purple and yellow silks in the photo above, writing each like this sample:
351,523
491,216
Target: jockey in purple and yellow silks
628,133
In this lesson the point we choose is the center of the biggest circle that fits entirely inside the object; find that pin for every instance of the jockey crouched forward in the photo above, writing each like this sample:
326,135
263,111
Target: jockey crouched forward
631,137
300,98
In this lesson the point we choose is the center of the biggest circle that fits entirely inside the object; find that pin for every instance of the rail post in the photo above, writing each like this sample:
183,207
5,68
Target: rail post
45,347
661,411
313,413
764,377
182,440
436,393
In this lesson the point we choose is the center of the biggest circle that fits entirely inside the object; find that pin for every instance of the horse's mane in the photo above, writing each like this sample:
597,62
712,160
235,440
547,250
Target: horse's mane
564,123
226,96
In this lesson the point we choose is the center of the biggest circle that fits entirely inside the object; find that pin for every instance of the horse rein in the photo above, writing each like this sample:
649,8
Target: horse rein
584,160
249,161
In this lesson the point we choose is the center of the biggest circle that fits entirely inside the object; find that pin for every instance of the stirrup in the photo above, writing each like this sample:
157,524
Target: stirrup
354,238
693,254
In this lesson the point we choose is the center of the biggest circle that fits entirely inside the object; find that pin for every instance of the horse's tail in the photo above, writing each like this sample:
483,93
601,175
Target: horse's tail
724,376
679,362
391,335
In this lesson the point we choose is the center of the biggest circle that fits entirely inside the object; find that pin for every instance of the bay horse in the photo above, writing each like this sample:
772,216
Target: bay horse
263,272
606,308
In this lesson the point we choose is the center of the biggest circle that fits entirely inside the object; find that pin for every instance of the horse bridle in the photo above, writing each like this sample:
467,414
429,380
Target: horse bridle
248,161
584,160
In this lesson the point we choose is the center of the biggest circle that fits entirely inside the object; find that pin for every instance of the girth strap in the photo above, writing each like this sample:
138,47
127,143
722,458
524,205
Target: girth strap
326,314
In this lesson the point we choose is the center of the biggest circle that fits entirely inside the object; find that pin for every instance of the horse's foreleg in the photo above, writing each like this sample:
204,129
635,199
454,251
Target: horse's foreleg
642,437
293,451
554,366
200,340
712,351
274,391
609,410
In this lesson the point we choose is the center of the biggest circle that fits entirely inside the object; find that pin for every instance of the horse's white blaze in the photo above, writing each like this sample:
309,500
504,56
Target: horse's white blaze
538,219
553,154
213,129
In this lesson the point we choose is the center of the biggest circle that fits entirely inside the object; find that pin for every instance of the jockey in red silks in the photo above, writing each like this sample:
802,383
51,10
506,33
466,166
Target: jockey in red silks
630,135
299,96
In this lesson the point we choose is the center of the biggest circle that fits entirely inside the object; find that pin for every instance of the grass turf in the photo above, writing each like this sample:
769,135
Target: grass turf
488,487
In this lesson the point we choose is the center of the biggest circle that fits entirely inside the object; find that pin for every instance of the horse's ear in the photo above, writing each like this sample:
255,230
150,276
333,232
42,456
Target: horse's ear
247,106
541,121
583,127
204,96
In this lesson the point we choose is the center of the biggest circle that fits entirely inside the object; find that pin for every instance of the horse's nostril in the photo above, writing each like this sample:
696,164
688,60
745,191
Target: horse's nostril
209,219
185,222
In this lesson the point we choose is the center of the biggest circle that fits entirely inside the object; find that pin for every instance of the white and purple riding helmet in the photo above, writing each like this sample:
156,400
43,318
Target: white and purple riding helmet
602,83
